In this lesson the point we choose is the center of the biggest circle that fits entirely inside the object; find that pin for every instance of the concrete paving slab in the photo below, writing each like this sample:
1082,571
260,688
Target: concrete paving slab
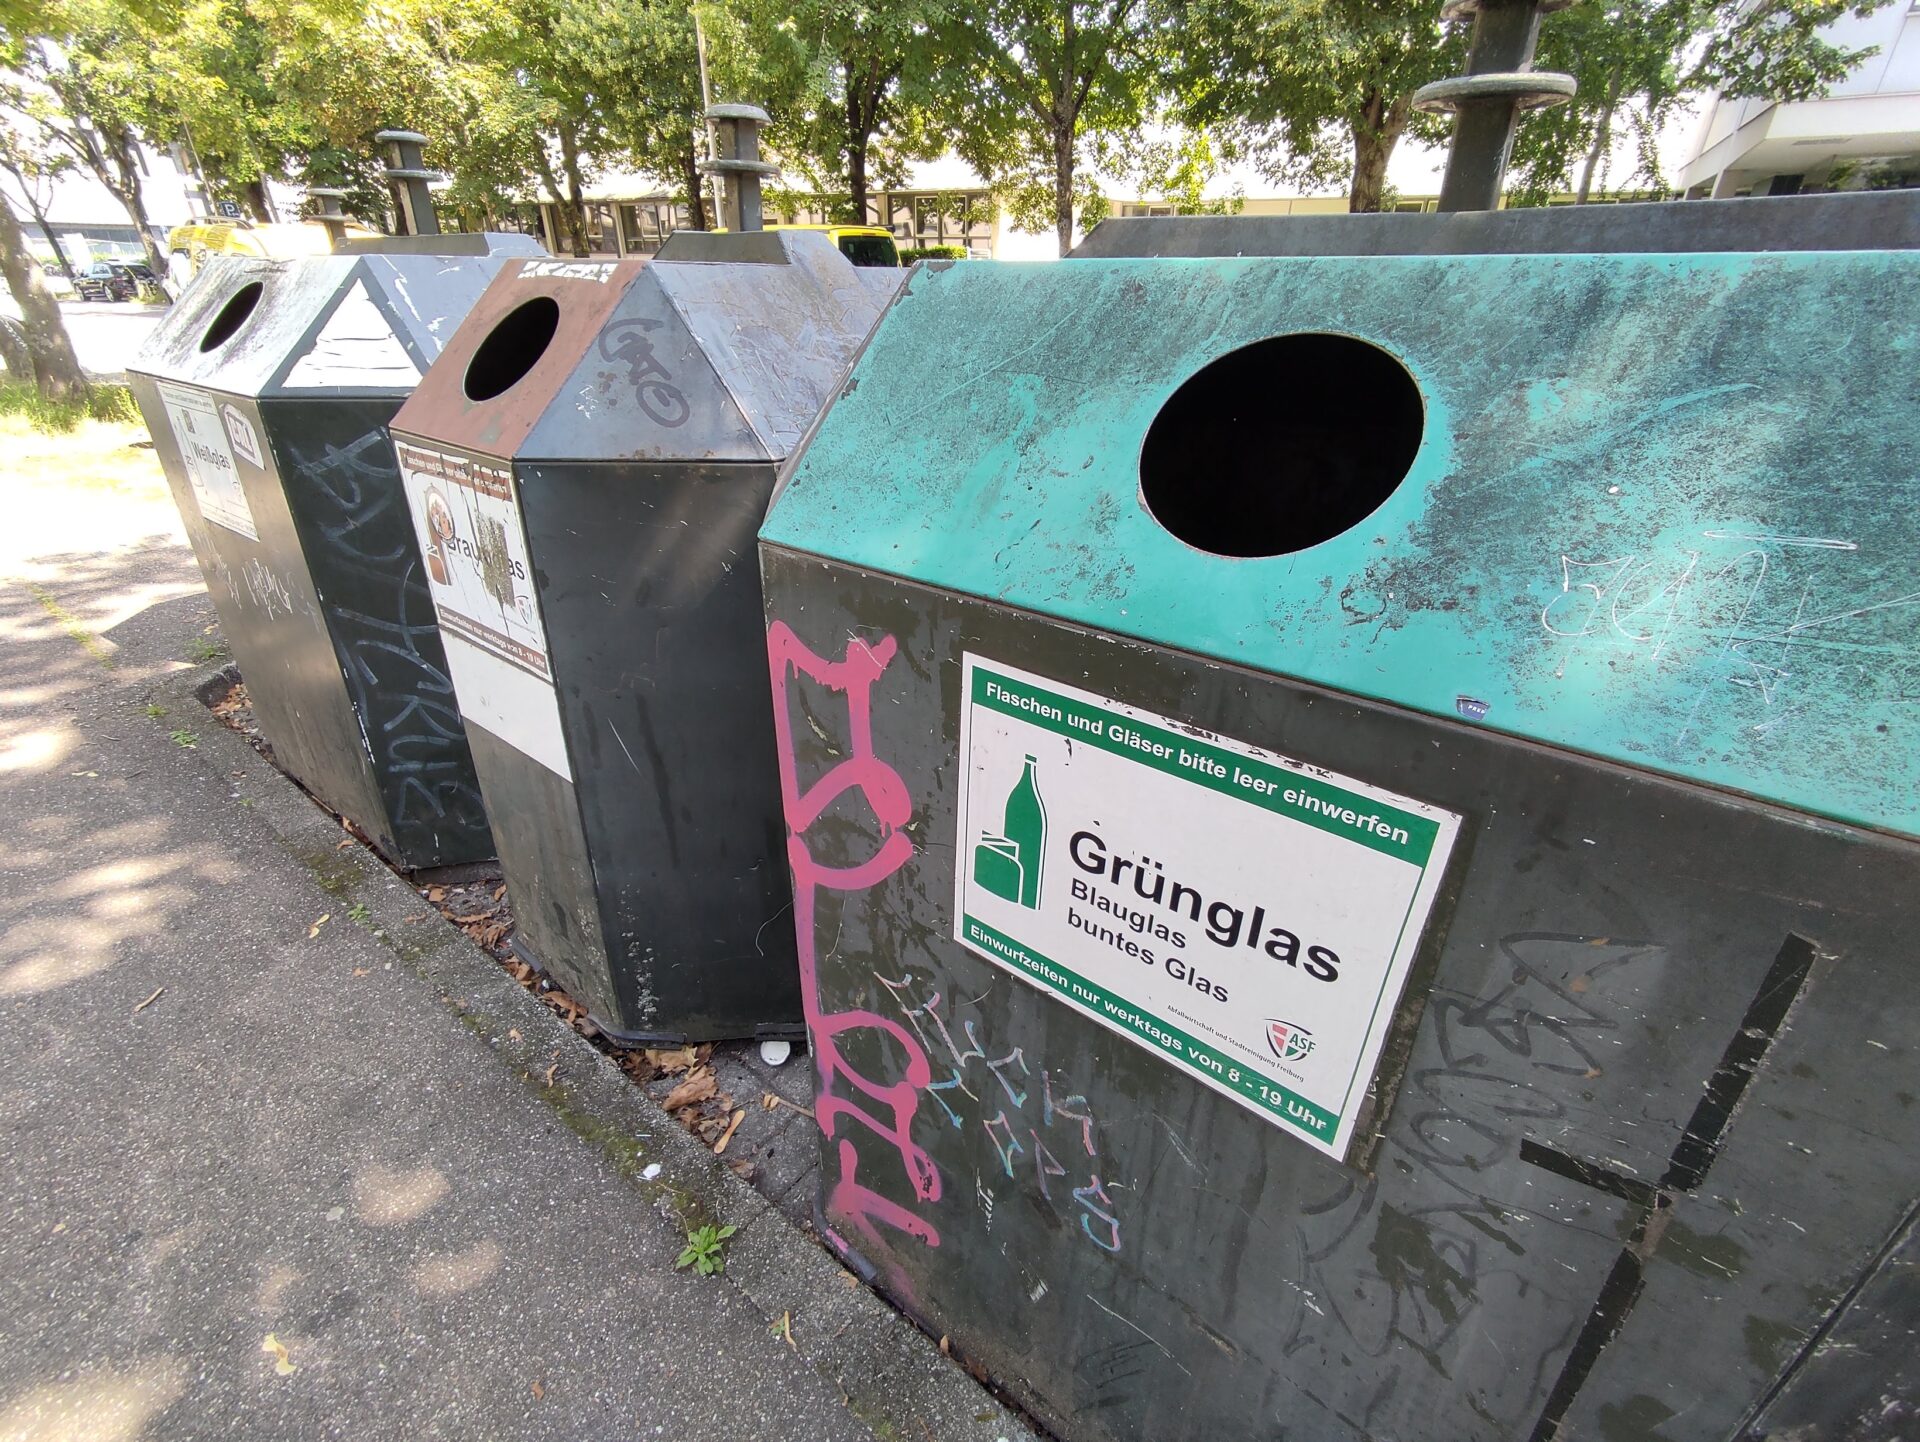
288,1157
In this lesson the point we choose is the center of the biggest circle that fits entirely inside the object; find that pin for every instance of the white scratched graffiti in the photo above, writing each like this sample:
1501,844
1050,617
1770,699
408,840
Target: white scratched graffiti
1030,1127
269,592
1753,621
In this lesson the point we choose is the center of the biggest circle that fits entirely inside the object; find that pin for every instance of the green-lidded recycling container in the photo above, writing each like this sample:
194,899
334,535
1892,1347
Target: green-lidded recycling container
1355,824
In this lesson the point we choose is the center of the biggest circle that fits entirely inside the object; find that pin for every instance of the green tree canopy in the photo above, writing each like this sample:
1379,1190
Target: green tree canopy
1040,91
1315,92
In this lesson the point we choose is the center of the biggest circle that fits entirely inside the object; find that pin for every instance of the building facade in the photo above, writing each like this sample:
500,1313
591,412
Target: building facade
1864,132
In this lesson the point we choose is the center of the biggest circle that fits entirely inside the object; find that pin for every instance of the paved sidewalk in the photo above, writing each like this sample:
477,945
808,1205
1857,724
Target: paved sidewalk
229,1134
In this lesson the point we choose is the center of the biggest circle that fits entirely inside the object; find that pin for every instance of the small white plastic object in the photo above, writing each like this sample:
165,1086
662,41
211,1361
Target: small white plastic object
775,1053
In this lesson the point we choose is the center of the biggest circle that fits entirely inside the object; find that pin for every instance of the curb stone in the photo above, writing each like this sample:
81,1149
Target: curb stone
892,1375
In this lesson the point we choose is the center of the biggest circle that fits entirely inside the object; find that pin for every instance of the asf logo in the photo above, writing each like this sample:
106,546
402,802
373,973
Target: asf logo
1008,863
1289,1042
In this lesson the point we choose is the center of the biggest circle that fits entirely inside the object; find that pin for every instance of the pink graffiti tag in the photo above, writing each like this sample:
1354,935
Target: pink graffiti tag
885,793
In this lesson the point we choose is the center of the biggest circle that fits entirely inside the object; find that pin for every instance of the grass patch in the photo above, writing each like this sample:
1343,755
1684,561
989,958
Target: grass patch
111,404
61,464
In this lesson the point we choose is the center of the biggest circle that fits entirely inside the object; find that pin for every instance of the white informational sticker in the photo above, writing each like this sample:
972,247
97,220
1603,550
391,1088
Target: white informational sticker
246,441
467,517
1250,919
211,471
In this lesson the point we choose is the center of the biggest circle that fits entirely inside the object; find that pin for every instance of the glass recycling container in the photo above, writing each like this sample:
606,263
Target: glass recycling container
587,465
267,389
1354,822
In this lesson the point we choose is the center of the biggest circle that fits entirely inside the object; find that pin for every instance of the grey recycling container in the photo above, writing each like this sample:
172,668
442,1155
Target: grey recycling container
267,389
1354,833
1846,220
587,464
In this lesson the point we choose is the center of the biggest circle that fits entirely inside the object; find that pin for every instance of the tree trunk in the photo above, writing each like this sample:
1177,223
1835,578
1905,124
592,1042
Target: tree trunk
1063,184
859,136
857,184
39,215
126,189
46,232
1066,117
576,198
696,200
567,228
56,370
254,194
864,102
1375,132
1602,141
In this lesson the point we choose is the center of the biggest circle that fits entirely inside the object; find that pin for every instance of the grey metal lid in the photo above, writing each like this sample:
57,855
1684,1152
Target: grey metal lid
347,325
1867,220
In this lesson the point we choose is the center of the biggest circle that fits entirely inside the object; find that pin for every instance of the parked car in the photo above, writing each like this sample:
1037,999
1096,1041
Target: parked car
106,280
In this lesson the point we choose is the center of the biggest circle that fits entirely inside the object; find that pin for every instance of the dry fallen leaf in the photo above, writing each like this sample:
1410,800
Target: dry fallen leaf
946,1350
670,1059
344,844
538,1391
314,930
696,1088
363,971
768,1101
436,893
550,1073
727,1136
282,1361
513,1033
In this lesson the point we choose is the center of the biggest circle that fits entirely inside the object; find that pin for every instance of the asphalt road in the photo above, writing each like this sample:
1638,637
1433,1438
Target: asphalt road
106,334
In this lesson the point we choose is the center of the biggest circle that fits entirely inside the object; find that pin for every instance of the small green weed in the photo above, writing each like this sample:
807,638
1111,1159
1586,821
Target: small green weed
706,1250
184,737
206,650
358,911
155,711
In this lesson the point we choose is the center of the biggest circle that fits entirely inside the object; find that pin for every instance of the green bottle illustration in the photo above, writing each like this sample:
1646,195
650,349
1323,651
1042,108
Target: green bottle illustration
1009,864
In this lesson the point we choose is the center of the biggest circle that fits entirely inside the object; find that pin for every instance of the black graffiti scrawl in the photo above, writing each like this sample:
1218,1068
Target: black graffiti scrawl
366,563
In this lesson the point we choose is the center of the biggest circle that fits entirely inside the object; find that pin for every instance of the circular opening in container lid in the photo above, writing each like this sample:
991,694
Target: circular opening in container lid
512,348
232,315
1281,445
